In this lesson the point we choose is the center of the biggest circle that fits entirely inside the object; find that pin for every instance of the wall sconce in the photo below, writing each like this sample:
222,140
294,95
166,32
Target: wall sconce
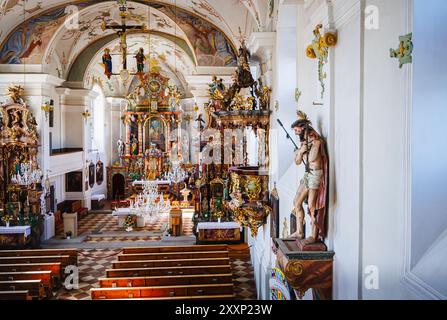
86,114
47,108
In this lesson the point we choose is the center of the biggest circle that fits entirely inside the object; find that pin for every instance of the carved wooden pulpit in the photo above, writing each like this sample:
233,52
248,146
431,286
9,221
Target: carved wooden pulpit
306,270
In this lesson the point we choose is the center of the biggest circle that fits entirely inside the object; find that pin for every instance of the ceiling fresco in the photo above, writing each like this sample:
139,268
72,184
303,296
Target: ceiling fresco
175,63
212,43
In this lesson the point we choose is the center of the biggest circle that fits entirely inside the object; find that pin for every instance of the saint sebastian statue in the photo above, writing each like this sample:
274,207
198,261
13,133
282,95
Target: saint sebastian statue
313,186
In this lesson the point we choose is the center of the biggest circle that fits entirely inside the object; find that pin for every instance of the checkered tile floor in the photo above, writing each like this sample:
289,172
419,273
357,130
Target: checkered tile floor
120,239
103,223
94,262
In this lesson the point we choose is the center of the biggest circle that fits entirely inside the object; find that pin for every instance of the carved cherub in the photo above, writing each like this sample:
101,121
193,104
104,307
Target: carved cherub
15,93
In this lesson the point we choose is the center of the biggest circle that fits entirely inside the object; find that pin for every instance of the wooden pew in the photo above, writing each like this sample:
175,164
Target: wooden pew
44,276
55,268
175,249
165,280
167,271
169,263
63,259
173,255
73,253
15,295
35,287
162,291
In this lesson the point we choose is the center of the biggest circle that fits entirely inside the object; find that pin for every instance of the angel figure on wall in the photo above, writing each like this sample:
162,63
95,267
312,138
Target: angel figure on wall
313,186
107,61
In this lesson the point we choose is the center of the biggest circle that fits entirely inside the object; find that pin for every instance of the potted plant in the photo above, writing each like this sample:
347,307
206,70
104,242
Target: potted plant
68,235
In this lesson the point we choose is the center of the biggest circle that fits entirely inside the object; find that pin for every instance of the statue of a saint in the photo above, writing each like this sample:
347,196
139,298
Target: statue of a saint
134,145
245,78
141,58
107,61
120,146
313,186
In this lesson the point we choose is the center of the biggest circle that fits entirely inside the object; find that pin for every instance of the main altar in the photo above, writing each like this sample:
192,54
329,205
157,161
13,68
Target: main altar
151,119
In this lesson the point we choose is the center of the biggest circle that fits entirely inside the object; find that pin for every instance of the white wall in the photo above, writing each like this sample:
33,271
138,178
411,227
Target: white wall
363,119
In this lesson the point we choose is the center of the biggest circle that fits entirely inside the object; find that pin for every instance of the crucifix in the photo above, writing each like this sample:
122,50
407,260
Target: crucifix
121,31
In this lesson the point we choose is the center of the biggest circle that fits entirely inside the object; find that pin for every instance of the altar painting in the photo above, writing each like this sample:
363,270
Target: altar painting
155,133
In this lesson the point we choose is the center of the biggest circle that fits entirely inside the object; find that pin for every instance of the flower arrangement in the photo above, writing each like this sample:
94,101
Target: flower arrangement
7,219
130,222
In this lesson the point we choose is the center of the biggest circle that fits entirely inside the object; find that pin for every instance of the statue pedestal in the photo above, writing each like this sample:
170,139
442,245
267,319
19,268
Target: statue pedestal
318,246
305,270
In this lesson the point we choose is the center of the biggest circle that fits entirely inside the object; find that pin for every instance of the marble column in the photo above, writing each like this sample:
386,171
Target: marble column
140,135
127,123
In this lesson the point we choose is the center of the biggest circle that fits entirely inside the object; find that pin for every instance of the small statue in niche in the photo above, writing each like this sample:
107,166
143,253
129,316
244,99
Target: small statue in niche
134,145
141,58
313,186
120,145
107,61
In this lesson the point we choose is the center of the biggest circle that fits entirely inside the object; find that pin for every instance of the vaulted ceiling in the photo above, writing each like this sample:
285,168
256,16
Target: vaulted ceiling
66,38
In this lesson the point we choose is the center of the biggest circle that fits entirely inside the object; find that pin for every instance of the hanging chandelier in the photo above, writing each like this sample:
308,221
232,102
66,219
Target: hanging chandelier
26,175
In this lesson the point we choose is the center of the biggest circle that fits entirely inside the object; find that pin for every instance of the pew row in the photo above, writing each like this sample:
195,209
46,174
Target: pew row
165,280
72,253
15,295
173,255
35,288
162,291
175,249
55,269
167,271
169,263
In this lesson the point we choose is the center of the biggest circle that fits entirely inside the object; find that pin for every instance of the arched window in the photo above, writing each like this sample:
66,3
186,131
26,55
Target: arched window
98,120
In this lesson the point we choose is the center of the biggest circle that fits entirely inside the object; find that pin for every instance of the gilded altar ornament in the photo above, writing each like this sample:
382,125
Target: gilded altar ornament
298,95
47,108
319,49
252,187
86,114
15,93
405,51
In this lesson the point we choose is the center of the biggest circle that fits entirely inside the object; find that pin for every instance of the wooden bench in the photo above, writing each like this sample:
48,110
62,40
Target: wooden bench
35,287
175,249
44,276
169,263
15,295
172,255
63,259
162,291
72,253
165,280
55,269
167,271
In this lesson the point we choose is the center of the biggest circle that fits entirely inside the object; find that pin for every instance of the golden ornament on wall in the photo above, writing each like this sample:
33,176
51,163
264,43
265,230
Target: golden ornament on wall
319,49
252,187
